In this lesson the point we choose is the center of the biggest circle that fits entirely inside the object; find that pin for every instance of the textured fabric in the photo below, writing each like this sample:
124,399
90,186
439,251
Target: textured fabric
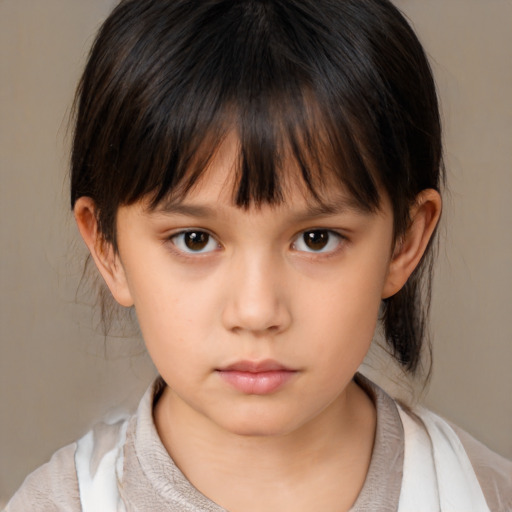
150,481
437,474
494,473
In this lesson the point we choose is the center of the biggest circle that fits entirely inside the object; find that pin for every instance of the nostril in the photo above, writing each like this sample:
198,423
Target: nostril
273,329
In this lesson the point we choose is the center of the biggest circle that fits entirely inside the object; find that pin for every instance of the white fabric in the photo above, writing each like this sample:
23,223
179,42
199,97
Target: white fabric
437,475
100,492
419,481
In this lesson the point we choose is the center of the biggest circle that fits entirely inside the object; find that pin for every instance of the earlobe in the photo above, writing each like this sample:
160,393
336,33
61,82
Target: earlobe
425,214
102,252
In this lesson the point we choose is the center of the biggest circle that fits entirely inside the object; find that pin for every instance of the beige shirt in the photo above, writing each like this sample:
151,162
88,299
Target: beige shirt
152,482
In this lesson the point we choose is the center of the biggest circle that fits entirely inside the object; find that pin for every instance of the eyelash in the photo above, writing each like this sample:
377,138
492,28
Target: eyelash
297,239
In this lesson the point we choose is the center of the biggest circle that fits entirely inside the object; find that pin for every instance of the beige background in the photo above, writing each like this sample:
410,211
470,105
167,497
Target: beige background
54,378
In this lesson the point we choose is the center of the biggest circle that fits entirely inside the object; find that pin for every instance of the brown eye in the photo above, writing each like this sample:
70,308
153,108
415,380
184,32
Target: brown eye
316,240
194,242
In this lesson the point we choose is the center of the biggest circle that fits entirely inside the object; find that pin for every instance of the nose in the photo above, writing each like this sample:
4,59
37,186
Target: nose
256,297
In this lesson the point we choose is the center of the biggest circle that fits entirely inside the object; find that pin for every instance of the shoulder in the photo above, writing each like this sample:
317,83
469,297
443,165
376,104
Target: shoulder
54,487
51,488
398,424
493,471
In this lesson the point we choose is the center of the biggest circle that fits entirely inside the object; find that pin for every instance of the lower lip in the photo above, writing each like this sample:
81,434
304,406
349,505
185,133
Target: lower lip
257,383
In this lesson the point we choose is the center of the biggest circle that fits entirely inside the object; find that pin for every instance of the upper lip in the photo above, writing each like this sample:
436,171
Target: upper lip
267,365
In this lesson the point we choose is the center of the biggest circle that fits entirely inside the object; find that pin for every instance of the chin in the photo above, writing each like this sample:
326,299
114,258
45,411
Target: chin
258,431
258,424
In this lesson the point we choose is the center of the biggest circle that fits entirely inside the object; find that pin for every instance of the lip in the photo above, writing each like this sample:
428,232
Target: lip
256,377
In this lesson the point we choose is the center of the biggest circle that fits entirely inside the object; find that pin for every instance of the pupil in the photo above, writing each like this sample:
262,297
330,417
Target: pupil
316,240
196,240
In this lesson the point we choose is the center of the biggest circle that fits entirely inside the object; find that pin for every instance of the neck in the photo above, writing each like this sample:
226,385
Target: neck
328,457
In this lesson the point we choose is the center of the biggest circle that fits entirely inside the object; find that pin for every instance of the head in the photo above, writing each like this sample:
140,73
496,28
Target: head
308,97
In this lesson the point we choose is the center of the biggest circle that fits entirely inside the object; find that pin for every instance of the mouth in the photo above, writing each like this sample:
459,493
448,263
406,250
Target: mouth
256,377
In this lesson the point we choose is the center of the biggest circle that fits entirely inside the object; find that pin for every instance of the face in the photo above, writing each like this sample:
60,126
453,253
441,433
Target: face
256,319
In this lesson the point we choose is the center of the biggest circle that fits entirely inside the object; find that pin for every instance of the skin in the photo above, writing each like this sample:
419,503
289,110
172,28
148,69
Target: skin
256,291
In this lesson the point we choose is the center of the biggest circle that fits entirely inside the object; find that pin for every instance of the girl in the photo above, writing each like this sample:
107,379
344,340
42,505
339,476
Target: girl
261,181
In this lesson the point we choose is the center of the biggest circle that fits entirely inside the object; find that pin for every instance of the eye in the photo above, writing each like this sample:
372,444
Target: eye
194,241
317,241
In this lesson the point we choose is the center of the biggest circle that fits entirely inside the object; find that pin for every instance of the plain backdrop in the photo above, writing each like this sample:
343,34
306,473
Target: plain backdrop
57,374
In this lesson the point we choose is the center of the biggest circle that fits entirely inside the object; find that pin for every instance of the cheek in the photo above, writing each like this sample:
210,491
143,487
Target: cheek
343,312
174,314
347,330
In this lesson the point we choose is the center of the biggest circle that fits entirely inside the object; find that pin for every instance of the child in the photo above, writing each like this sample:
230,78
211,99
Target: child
260,180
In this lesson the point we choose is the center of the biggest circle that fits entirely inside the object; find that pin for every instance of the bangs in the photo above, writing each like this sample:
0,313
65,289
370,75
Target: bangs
280,143
281,117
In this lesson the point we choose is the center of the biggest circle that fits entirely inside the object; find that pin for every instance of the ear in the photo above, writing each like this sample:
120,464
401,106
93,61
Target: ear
102,252
410,247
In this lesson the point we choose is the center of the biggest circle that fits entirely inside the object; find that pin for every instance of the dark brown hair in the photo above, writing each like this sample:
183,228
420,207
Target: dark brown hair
343,86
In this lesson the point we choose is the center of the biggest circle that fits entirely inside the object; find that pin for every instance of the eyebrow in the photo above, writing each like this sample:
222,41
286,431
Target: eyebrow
188,210
337,206
314,210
